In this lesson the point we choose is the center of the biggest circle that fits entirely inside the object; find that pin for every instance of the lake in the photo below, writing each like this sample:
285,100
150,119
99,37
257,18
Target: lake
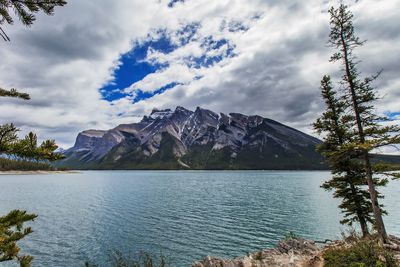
186,215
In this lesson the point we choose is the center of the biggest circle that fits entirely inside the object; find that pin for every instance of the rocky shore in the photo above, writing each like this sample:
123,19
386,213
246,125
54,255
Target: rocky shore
293,252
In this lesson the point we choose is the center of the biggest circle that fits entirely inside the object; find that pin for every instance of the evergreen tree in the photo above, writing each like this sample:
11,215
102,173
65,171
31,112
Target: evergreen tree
11,231
8,135
47,149
348,182
368,133
29,146
28,149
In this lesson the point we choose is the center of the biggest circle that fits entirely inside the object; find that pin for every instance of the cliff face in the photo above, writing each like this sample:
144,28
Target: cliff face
199,139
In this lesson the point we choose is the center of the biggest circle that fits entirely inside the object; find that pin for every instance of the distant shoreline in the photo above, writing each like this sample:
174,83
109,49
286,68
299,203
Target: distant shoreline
45,172
294,170
16,172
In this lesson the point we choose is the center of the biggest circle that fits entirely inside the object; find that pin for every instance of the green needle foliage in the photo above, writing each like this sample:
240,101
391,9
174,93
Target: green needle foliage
363,253
348,181
360,129
26,149
291,235
46,151
11,231
13,93
25,11
8,136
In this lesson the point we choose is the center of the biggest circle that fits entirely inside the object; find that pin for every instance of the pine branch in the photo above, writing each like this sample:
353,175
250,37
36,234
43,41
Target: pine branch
12,231
14,93
25,11
4,35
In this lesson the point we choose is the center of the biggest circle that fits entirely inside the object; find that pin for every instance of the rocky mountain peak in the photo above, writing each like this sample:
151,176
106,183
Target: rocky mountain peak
199,138
93,133
160,113
180,109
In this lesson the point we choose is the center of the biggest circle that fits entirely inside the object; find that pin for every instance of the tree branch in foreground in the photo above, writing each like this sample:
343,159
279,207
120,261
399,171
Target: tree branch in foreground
13,93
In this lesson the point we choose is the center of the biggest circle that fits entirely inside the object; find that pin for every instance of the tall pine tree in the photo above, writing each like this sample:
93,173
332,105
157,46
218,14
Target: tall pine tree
348,181
368,131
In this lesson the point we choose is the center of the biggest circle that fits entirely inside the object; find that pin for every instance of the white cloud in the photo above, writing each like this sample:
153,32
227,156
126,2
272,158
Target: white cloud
280,55
175,73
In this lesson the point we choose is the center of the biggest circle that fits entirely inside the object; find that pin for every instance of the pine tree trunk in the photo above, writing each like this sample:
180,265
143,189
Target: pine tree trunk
361,218
380,227
363,224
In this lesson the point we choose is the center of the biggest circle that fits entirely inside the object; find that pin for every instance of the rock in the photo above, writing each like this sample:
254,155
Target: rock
297,245
289,253
294,252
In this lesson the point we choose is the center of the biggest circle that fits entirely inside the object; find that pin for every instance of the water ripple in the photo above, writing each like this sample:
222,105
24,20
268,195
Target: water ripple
185,214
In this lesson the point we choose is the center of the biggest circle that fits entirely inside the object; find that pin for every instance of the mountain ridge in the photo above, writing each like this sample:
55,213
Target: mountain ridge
200,139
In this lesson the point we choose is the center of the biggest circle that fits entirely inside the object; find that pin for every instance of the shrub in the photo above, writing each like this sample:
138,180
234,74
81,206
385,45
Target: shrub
142,259
23,165
291,235
258,256
363,253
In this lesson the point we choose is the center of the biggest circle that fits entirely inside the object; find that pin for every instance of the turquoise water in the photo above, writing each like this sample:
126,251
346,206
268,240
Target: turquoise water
185,214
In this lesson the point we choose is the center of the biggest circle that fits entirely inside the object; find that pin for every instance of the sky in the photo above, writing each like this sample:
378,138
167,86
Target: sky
99,63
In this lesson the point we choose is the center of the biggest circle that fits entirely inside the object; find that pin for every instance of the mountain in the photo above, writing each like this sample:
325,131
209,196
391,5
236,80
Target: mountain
200,139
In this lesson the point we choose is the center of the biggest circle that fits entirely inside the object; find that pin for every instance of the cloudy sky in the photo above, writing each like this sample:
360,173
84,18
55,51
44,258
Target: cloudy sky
99,63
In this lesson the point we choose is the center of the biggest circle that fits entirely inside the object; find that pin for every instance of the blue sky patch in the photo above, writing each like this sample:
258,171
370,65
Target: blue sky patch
187,33
210,44
133,68
392,115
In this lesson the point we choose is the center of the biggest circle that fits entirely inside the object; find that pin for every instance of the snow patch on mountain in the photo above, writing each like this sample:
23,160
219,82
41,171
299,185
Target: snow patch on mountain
187,130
